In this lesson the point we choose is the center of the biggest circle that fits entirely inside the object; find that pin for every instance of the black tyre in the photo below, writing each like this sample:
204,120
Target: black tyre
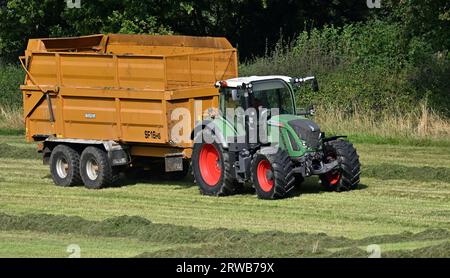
272,173
299,179
347,176
95,168
211,166
65,166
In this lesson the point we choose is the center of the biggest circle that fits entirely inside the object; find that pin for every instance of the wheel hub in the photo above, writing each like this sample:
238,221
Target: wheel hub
269,175
92,169
334,176
62,167
209,164
265,175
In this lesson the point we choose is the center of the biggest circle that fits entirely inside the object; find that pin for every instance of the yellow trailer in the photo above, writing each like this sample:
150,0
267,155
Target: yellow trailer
101,102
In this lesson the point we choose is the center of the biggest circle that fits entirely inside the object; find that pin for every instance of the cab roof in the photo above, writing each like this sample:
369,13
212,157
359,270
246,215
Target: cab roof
237,82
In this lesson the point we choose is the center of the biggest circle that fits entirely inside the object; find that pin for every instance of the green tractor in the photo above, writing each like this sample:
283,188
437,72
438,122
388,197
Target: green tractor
259,137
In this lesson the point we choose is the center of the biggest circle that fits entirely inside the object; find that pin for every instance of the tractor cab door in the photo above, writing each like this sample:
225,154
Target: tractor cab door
269,98
232,106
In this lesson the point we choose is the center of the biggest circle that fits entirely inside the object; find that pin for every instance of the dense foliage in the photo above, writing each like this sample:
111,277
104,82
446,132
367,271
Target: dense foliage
249,24
11,76
363,67
375,59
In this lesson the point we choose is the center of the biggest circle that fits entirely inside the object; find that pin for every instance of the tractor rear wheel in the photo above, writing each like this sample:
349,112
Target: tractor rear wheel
65,166
347,176
272,173
211,166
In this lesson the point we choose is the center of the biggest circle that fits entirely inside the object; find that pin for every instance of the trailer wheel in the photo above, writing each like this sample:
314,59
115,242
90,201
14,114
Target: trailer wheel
95,168
347,177
65,166
211,166
272,174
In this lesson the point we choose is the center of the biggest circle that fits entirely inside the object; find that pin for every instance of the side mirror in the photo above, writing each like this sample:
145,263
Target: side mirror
235,95
315,85
310,112
311,108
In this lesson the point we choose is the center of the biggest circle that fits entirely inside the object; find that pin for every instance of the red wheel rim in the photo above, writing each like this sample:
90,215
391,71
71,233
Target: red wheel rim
209,164
263,170
333,178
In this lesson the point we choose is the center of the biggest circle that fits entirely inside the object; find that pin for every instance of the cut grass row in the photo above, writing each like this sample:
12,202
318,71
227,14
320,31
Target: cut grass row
29,244
121,235
380,208
396,201
52,233
404,189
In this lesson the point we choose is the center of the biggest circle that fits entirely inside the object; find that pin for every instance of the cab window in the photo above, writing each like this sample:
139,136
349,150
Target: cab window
273,94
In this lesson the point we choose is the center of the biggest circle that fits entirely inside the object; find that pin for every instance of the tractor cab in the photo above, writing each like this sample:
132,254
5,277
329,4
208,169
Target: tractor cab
269,92
269,101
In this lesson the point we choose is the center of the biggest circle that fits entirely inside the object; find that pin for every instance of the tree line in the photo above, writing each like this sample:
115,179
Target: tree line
254,26
388,57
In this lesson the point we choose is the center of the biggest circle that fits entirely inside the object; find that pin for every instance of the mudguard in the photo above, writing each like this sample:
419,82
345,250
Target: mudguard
219,126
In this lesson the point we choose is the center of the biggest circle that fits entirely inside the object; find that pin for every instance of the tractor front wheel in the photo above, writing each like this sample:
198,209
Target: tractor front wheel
272,173
347,176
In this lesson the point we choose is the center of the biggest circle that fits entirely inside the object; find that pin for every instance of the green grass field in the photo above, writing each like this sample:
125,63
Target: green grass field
402,204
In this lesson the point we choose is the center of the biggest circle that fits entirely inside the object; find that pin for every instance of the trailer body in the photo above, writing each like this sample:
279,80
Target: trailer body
121,89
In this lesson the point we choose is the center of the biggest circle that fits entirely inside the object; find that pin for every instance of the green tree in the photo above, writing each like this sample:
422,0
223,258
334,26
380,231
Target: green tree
252,25
22,19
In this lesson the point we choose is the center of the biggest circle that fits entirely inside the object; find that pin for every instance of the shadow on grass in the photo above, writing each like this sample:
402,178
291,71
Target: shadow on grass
311,185
151,178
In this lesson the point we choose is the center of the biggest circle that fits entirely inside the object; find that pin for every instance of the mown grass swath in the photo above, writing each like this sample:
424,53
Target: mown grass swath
404,191
384,81
194,242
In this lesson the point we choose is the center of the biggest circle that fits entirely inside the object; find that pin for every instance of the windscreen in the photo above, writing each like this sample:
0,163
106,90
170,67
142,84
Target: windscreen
273,94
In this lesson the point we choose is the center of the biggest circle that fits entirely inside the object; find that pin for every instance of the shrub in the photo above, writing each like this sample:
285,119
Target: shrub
11,76
369,66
